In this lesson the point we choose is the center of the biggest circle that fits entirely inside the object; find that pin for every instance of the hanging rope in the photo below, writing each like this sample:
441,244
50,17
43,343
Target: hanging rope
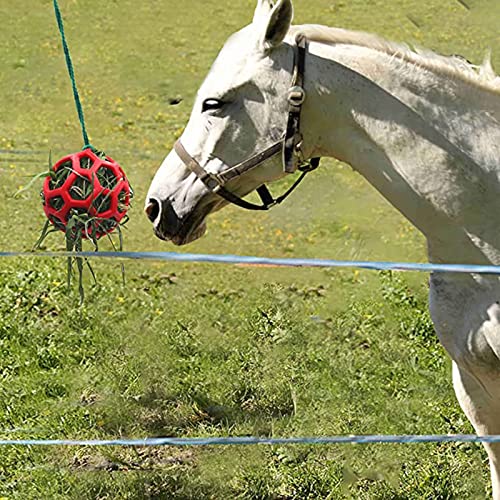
69,64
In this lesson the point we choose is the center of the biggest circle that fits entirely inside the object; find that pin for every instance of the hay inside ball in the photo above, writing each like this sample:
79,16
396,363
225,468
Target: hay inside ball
86,193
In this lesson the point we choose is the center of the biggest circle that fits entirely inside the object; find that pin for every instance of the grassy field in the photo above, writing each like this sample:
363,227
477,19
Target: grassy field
205,350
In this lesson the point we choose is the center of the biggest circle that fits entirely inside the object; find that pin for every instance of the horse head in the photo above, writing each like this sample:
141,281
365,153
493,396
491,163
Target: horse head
240,112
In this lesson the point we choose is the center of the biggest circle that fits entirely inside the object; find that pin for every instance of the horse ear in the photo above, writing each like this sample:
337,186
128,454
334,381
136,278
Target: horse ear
263,9
274,18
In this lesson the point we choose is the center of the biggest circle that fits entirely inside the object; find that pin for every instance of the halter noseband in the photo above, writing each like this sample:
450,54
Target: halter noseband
290,146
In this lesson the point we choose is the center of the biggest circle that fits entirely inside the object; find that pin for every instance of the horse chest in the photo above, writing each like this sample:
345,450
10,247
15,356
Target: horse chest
466,314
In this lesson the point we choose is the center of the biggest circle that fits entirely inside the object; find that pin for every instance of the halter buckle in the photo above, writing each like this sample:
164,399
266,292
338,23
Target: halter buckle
296,96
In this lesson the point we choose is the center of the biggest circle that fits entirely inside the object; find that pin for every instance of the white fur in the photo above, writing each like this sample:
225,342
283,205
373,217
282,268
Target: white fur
423,129
454,66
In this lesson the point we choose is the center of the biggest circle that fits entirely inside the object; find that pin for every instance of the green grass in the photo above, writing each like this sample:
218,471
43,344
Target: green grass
206,350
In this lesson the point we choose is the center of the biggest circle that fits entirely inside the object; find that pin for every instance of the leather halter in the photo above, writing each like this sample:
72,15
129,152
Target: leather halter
290,146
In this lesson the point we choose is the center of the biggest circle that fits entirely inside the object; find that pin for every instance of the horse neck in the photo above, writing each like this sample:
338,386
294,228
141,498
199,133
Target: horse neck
424,140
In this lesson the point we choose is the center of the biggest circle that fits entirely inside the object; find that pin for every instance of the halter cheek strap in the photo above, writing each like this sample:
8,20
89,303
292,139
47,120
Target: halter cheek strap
290,147
296,98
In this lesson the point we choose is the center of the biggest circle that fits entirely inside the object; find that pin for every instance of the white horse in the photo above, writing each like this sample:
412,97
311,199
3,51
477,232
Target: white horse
422,128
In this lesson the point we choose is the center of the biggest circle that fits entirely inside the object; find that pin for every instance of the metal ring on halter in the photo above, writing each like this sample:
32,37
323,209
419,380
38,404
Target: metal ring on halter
212,183
296,96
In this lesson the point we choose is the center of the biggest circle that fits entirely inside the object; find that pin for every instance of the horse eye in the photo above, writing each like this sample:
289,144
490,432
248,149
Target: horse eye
211,104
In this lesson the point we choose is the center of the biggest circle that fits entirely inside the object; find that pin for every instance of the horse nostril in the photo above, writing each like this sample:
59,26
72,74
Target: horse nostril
152,209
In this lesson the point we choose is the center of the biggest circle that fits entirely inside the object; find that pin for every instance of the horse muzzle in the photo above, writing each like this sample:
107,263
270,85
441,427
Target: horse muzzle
168,226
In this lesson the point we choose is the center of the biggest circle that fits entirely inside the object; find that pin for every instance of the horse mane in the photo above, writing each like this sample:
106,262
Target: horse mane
482,76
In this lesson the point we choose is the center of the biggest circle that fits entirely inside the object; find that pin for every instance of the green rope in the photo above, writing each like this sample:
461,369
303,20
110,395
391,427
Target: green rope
71,72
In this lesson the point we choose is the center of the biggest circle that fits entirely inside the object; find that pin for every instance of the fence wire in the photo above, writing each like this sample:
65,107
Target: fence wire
248,260
249,440
263,261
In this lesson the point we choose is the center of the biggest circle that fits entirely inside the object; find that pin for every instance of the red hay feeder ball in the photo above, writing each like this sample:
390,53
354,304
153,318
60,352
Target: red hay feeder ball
88,185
